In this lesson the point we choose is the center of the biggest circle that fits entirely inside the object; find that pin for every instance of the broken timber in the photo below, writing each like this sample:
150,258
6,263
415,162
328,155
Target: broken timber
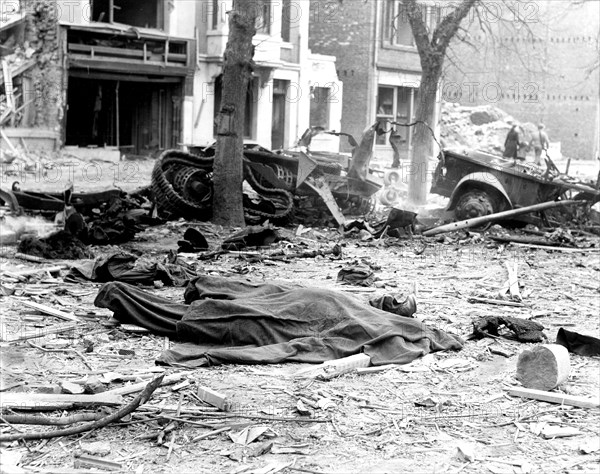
138,387
93,425
51,311
47,401
499,216
36,333
553,397
214,398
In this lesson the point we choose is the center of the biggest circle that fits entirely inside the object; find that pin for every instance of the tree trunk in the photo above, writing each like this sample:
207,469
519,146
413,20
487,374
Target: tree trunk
237,70
422,140
432,51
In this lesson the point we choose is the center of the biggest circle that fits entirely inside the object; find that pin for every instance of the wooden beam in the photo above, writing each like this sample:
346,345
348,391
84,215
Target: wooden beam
138,387
40,332
553,397
33,271
50,401
51,311
214,398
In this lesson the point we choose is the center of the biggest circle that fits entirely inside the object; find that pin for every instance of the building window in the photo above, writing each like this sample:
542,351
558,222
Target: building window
263,17
129,12
215,14
286,22
397,29
319,107
395,104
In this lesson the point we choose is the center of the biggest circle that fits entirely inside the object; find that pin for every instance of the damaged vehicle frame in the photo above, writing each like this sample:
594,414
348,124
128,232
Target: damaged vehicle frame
479,183
182,182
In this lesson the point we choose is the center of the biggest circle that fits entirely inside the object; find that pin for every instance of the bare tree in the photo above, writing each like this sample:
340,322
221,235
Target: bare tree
432,48
237,71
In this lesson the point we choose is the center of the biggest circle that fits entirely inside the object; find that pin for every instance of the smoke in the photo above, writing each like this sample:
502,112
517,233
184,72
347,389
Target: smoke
22,225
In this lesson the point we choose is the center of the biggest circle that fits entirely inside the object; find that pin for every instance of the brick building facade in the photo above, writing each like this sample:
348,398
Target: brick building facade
377,62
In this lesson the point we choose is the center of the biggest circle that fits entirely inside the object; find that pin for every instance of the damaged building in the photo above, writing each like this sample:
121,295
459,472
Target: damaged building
136,78
110,75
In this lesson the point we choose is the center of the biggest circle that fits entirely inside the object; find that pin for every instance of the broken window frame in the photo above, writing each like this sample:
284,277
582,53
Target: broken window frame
320,97
397,94
396,24
160,24
264,17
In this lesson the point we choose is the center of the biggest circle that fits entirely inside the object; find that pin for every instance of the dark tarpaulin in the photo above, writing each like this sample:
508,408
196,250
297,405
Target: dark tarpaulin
236,322
128,269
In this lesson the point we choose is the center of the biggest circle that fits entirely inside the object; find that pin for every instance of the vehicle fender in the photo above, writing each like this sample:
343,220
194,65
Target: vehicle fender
482,180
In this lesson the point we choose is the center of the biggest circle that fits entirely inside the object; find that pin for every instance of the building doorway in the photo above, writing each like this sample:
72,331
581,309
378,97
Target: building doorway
279,114
139,118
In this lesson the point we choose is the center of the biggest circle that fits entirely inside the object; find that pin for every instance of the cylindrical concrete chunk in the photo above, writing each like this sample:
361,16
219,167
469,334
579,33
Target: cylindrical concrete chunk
544,367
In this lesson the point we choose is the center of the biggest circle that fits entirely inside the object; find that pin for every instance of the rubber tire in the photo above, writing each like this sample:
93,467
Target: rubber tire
474,203
389,196
392,178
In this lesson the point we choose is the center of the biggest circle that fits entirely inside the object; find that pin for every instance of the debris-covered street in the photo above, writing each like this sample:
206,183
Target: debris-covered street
443,412
325,237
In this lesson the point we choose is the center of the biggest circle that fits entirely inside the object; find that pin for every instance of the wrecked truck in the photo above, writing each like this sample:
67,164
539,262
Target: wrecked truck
182,181
479,183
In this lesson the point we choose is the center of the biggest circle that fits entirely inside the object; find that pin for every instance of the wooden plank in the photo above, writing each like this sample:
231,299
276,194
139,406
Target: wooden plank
513,281
30,133
476,299
213,398
50,401
40,332
51,311
33,271
133,53
375,369
138,387
553,397
8,142
559,249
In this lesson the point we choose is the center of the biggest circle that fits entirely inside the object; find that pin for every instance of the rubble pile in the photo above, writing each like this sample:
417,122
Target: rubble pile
482,127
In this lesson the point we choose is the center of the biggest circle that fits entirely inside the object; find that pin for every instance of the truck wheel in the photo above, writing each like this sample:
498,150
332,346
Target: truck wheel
389,196
474,203
392,178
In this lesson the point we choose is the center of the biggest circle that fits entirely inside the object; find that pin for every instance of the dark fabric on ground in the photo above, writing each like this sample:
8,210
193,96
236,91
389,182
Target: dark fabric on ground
394,304
359,275
256,323
59,245
578,343
525,330
126,268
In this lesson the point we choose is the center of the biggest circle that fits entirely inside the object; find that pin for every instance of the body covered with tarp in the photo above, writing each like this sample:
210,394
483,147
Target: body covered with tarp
235,321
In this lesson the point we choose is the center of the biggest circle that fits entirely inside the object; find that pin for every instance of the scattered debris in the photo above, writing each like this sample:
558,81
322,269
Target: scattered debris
358,275
127,268
524,330
253,236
